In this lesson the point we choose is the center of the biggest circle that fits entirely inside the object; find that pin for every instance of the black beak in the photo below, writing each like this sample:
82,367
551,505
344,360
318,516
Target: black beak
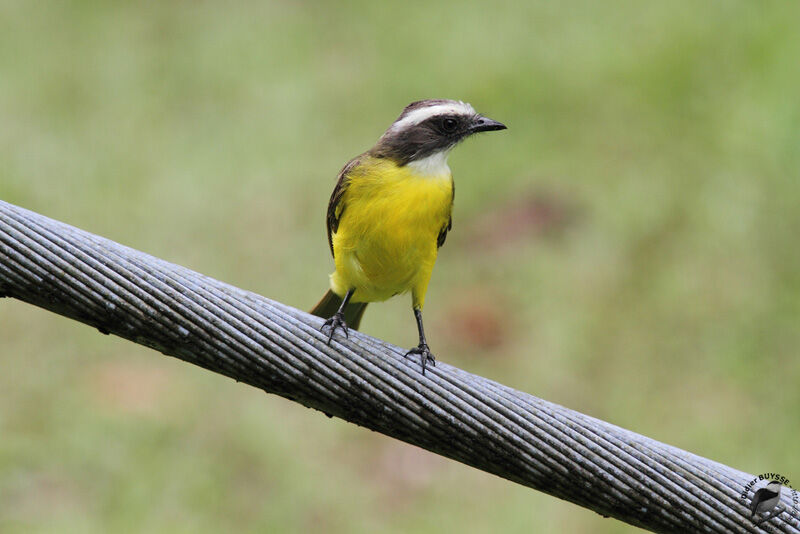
485,124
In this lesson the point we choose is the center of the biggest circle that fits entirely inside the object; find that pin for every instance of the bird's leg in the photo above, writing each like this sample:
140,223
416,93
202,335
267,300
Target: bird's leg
422,349
337,319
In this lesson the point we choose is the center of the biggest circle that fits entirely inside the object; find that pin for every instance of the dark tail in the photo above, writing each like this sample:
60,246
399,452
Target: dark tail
329,304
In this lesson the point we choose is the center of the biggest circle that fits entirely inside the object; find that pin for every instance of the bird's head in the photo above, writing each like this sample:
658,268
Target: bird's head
431,128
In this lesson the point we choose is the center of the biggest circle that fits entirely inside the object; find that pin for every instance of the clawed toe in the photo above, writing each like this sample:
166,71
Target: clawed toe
426,356
334,322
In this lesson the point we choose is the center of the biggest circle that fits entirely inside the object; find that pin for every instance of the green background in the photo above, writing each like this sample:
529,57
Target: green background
628,248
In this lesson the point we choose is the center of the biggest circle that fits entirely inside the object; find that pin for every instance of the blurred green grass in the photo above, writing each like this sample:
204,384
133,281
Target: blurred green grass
628,248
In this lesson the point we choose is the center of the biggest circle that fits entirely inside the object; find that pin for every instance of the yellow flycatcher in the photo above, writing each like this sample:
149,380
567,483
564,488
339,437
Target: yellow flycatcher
390,212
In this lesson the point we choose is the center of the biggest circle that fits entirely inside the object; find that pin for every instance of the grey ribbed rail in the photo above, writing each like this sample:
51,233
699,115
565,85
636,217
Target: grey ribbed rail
279,349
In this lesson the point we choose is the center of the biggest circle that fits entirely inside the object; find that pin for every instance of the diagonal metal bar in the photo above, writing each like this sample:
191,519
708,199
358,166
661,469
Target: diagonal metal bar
471,419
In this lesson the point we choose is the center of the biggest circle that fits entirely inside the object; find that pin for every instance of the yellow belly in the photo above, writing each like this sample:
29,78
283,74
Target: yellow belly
386,240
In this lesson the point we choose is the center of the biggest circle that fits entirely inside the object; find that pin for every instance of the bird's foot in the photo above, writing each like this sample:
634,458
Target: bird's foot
334,322
425,355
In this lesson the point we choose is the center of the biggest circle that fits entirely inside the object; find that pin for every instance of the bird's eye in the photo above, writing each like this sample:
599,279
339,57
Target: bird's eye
449,124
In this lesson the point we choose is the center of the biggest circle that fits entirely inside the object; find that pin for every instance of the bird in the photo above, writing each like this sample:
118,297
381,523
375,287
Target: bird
390,212
766,498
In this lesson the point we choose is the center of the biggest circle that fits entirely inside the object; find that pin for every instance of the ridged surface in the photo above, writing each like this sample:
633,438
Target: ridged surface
279,349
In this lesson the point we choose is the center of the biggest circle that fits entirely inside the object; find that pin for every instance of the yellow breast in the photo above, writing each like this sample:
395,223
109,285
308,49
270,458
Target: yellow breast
391,217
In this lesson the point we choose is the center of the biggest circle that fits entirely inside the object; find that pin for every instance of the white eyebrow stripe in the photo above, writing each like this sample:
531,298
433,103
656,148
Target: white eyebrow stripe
421,114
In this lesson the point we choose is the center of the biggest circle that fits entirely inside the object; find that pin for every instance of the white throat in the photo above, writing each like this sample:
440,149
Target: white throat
433,165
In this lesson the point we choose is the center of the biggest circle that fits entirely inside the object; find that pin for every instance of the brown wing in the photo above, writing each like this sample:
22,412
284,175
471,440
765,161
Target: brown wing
443,233
336,205
449,226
